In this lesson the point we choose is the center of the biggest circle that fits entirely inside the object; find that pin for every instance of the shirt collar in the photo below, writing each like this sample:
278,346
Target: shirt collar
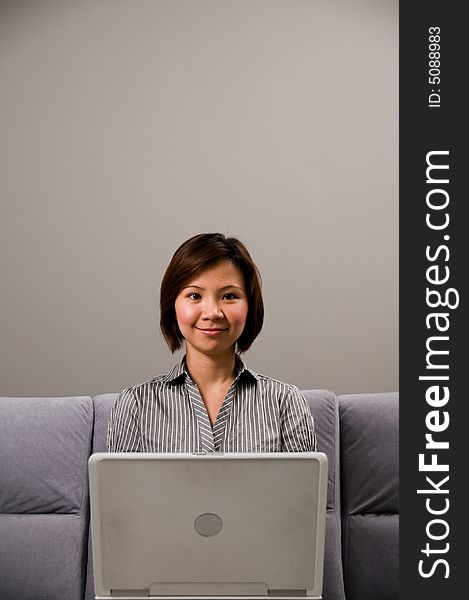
179,372
242,370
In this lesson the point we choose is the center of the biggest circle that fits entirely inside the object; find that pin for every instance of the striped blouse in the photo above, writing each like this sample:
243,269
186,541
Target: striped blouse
168,414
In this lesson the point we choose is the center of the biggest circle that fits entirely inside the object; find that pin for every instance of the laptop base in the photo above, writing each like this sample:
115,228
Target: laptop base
295,597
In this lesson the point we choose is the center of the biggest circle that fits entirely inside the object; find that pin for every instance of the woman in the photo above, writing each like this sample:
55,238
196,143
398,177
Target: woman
211,302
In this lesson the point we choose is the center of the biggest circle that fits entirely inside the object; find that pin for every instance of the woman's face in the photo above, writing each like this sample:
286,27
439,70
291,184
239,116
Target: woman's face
212,308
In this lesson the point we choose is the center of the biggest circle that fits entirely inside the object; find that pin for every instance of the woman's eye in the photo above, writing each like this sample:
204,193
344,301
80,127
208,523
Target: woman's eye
194,296
230,296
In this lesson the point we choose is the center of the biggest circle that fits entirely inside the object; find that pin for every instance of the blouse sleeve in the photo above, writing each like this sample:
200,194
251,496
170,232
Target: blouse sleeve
298,434
123,433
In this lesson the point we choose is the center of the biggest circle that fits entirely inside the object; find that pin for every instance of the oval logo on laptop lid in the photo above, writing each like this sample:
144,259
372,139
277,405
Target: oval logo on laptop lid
208,524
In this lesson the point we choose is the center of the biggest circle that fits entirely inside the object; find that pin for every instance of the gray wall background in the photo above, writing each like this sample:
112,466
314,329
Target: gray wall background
128,126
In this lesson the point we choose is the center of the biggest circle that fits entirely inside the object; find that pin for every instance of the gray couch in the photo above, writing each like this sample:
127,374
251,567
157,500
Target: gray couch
45,443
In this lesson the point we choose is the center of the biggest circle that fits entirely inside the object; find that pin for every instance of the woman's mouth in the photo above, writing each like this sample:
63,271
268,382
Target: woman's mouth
211,331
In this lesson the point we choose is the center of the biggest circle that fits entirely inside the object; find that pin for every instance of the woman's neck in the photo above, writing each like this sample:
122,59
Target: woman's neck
209,370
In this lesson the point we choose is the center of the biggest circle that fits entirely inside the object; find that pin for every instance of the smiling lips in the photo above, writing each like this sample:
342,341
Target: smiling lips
211,332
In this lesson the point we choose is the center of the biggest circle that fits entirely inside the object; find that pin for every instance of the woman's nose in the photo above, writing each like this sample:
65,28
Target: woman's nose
212,311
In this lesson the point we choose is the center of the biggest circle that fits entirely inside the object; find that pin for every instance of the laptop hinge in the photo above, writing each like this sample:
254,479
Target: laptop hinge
127,593
206,588
283,593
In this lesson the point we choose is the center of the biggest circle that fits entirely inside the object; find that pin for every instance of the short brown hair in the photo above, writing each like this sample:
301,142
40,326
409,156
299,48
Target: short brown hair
194,256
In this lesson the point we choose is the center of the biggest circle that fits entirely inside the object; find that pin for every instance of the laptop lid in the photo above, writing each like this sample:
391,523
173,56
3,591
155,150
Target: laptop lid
235,525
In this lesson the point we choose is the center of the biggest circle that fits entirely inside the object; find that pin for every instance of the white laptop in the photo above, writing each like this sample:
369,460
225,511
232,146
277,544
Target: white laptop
225,526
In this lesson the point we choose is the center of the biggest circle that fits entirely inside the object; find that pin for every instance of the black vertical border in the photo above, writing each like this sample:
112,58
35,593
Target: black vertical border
422,130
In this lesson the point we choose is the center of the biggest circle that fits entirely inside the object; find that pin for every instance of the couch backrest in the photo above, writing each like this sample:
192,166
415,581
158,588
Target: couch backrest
44,449
102,409
369,438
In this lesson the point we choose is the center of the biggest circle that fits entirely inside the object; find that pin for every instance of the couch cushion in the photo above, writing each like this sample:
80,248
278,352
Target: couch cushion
42,557
372,554
369,438
44,445
324,408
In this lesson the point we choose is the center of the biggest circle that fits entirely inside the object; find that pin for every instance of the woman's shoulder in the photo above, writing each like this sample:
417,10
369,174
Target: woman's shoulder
175,374
272,383
144,386
273,380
